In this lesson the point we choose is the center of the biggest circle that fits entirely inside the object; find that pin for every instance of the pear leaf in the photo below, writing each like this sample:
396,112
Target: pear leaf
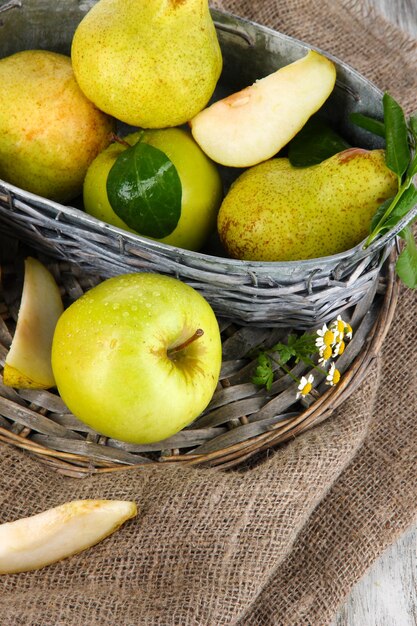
315,143
413,124
368,123
406,202
397,150
145,191
407,261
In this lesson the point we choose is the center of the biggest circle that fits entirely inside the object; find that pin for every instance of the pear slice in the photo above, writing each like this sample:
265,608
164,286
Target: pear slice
33,542
28,362
252,125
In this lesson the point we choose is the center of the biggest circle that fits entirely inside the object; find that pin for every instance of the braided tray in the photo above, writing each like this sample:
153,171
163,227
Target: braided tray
302,294
242,419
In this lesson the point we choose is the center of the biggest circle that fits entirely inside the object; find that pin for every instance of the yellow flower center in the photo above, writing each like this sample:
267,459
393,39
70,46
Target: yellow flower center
336,377
327,353
306,389
340,326
342,346
328,338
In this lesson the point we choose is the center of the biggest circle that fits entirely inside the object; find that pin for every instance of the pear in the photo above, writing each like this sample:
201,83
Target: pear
277,212
252,125
149,63
49,131
33,542
28,362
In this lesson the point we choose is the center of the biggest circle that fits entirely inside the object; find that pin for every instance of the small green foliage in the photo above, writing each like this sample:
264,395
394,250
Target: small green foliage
401,158
303,348
315,143
298,348
368,123
264,374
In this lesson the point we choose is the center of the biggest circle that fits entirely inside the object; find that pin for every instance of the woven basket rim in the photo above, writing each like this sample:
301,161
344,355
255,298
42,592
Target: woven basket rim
352,255
67,463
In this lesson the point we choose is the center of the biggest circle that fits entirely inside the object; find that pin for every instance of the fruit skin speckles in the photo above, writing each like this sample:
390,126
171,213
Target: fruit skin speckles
276,212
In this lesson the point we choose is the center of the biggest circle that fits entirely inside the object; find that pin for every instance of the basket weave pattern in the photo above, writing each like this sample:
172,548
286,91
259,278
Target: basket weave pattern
241,418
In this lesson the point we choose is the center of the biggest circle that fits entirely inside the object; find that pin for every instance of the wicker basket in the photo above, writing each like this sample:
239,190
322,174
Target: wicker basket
299,294
242,419
257,303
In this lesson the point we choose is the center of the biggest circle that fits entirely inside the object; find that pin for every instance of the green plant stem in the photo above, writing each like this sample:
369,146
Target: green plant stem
401,189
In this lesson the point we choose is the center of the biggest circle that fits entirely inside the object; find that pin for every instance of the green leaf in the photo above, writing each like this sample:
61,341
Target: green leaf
368,123
397,155
379,214
145,191
413,124
315,143
285,352
407,261
407,201
264,374
412,169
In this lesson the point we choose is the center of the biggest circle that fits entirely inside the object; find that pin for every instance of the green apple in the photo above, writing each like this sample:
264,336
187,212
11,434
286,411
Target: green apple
138,357
201,185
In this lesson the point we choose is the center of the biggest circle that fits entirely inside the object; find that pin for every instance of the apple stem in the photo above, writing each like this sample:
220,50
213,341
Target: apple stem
117,139
198,333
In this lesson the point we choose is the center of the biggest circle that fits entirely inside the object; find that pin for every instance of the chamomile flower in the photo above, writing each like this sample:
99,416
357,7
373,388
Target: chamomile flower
325,352
342,328
333,376
305,386
339,348
325,337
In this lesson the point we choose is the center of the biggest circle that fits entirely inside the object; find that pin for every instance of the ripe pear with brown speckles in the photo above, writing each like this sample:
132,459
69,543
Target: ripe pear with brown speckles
277,212
149,63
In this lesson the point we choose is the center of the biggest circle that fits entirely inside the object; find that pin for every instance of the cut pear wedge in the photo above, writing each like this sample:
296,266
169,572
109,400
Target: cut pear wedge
34,542
252,125
28,362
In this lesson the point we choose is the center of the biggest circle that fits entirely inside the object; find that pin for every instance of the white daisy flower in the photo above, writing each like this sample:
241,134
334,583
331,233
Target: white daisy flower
341,328
325,352
325,337
305,386
333,376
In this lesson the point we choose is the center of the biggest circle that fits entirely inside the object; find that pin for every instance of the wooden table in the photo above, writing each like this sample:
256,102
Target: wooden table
387,595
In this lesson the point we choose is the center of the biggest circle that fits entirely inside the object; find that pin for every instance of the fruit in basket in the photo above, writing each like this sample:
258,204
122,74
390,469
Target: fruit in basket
33,542
49,131
28,362
252,125
277,212
138,357
199,197
150,63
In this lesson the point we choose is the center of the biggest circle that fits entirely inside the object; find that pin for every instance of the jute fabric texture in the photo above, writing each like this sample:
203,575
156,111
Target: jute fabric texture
279,543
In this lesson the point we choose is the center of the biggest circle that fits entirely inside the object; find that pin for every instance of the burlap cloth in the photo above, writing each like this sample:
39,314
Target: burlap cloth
281,543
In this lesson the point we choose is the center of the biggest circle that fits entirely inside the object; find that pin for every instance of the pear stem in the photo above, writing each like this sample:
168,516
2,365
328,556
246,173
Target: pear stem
198,333
117,139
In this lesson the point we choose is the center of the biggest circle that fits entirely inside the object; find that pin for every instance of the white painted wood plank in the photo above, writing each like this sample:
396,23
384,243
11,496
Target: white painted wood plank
387,595
401,12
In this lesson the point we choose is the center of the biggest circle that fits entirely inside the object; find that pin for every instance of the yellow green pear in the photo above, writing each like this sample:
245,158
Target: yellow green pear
49,131
277,212
28,362
149,63
202,188
252,125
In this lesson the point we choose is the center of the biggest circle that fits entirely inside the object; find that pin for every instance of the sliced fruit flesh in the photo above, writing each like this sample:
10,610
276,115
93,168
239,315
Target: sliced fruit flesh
28,362
33,542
